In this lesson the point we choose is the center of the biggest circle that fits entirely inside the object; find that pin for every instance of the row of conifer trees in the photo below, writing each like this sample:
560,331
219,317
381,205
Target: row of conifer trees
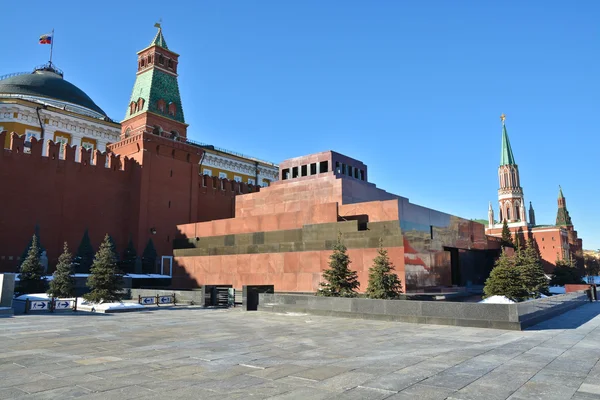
104,280
341,281
128,263
521,276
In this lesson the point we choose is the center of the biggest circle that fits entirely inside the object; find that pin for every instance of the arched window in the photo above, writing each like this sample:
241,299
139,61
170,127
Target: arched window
517,213
161,105
157,130
161,59
174,135
508,213
128,133
501,215
172,109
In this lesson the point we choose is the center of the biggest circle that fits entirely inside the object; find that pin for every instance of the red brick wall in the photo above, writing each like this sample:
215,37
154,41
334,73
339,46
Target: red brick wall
64,198
153,187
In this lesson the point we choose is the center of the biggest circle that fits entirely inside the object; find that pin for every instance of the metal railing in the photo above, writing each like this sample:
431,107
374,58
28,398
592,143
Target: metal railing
231,152
6,76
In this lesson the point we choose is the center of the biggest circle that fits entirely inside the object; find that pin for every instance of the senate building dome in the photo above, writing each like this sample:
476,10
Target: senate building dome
46,85
43,105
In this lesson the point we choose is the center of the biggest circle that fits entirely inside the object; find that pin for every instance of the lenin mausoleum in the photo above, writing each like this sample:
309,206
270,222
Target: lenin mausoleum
215,216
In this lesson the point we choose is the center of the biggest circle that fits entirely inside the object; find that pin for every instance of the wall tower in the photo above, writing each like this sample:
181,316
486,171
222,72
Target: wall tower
155,104
510,192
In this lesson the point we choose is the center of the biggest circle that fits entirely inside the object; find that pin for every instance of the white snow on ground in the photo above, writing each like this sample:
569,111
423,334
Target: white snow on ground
557,290
497,300
108,306
34,296
48,277
153,276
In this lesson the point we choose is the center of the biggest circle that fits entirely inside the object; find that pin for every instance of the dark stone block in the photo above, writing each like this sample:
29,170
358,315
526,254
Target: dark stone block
229,240
368,306
258,238
403,307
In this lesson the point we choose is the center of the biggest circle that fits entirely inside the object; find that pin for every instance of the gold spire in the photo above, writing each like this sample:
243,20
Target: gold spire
502,118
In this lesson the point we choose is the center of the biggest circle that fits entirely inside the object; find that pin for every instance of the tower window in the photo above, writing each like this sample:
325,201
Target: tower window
295,172
170,63
304,170
323,166
313,168
161,59
161,105
508,213
172,109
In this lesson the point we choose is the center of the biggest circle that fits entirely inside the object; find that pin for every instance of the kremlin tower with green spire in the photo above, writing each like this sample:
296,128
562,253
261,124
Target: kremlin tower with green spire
557,241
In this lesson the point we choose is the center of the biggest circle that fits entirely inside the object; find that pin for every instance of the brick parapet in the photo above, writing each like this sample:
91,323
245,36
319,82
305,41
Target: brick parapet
87,157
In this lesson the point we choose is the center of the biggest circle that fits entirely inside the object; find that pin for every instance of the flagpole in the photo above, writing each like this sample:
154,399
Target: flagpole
51,45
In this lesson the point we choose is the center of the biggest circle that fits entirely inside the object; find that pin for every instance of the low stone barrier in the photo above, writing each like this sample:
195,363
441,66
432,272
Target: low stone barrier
498,316
182,296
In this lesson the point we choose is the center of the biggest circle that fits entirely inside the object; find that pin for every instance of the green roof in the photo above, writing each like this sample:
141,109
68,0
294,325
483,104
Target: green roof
153,85
560,193
159,40
506,156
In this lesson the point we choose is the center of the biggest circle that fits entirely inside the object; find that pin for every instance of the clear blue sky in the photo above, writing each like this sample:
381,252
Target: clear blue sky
412,88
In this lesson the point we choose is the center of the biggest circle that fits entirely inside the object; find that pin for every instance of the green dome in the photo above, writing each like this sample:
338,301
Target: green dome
47,86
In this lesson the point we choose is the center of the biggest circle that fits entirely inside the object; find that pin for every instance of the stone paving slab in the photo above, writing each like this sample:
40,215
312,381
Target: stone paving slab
231,354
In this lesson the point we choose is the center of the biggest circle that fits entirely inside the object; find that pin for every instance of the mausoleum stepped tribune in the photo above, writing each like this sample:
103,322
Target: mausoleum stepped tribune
283,235
69,168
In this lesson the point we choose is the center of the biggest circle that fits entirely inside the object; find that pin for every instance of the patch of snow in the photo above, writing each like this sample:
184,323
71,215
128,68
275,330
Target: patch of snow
103,307
497,300
33,296
80,275
47,277
557,290
135,276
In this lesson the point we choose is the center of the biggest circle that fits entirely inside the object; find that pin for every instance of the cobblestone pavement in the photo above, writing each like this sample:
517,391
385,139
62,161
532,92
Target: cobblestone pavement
215,354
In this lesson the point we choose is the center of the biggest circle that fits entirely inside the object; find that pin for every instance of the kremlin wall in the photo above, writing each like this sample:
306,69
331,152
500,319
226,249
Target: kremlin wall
150,190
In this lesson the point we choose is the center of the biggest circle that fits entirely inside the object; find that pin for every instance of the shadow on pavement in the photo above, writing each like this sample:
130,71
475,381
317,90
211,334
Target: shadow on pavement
572,319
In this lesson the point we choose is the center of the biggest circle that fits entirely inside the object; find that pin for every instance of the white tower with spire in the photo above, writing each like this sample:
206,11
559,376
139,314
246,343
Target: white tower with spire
490,216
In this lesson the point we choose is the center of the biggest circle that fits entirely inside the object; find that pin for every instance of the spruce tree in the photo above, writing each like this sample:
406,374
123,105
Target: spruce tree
505,280
506,236
532,271
105,280
149,258
31,278
565,272
63,284
383,282
113,246
40,246
85,255
129,258
340,280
